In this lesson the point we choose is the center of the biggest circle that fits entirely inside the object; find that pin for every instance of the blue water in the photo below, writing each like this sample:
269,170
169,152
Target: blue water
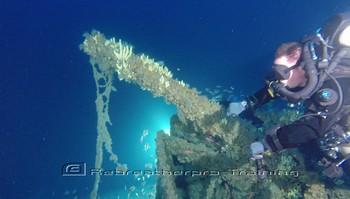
47,91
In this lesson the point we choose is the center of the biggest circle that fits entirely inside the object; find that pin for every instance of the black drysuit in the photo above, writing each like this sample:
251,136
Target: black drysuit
308,128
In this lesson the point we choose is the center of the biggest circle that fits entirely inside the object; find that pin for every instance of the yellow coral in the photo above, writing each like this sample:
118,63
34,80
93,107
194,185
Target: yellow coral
151,76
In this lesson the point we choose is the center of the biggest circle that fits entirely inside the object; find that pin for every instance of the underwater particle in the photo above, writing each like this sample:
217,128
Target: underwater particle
145,132
148,166
146,147
132,188
143,136
141,139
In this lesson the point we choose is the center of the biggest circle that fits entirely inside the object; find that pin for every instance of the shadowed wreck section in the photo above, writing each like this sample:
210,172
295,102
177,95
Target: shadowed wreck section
207,154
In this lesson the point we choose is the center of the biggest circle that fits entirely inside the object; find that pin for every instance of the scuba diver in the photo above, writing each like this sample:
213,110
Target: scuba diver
317,72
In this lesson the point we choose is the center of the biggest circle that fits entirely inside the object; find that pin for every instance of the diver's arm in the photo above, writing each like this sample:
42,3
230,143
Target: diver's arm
252,102
280,138
259,98
294,135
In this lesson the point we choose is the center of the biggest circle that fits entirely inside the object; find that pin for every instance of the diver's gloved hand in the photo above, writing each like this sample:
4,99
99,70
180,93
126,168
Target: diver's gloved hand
257,150
235,108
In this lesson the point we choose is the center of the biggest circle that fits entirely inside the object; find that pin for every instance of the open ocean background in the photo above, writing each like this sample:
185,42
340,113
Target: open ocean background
47,90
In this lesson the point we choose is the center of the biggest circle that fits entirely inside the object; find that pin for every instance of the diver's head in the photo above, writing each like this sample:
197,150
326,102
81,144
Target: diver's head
290,52
287,65
336,30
